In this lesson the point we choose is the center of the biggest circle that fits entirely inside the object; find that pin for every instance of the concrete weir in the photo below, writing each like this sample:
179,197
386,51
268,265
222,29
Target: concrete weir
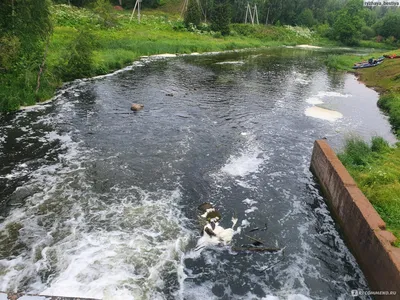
365,232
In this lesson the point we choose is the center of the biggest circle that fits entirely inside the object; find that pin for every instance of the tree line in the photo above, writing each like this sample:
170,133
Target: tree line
347,21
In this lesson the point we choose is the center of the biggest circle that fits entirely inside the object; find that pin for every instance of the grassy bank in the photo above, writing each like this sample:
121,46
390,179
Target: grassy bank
115,47
375,166
376,169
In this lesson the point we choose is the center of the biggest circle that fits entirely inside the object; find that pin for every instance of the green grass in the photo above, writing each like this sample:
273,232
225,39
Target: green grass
376,169
390,103
160,31
342,62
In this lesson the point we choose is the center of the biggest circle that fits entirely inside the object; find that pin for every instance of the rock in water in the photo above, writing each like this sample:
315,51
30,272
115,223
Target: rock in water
136,106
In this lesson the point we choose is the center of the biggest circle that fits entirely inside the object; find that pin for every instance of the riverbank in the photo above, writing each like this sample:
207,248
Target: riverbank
108,49
363,228
375,166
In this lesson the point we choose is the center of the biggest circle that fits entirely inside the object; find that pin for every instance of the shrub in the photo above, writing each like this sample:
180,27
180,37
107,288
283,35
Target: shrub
390,103
243,29
179,26
9,49
356,153
379,145
106,13
306,18
65,15
323,30
221,17
78,61
367,33
390,40
192,14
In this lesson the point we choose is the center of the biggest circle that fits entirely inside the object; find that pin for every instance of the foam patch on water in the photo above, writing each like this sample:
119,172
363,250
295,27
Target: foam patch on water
302,81
323,113
239,62
308,47
314,100
332,94
246,163
298,297
165,55
249,202
250,210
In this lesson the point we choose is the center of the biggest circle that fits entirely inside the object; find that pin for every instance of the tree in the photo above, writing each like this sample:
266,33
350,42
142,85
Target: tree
348,23
306,18
389,26
77,62
193,13
221,17
25,28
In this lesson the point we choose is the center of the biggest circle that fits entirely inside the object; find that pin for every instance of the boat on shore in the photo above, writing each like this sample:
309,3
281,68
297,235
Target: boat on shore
391,56
368,64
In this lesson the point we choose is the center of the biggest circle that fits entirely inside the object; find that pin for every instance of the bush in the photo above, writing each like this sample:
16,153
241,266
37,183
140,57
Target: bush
78,60
192,14
179,26
306,18
106,13
379,145
367,33
65,15
221,17
356,153
243,29
391,40
9,49
390,103
324,30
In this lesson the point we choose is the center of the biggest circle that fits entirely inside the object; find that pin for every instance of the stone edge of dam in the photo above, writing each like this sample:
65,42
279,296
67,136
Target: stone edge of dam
16,296
364,230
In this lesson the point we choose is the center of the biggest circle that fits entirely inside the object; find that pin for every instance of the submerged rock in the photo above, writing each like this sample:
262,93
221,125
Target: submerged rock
136,106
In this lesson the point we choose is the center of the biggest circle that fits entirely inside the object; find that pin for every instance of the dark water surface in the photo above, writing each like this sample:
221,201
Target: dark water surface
105,199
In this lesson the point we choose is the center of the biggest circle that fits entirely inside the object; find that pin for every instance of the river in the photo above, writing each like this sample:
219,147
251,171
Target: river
98,201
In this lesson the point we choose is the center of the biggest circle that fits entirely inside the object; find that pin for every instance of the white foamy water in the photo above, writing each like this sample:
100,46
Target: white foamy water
119,244
332,94
243,164
323,113
314,100
128,261
240,62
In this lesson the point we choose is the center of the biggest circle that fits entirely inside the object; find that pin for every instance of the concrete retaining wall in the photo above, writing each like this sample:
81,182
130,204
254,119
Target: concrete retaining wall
364,229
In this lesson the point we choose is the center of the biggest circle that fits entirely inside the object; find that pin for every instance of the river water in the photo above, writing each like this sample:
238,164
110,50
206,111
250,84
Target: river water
98,201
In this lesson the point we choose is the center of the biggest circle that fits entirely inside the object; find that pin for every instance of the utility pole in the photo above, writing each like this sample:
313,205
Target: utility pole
253,14
137,4
249,12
